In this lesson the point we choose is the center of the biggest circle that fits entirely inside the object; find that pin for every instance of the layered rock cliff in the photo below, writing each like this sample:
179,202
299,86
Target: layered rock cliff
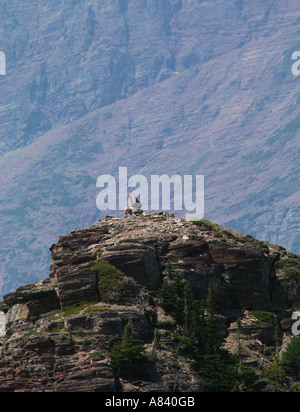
57,334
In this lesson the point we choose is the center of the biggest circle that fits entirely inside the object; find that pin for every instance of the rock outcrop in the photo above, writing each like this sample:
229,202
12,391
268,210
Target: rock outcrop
57,334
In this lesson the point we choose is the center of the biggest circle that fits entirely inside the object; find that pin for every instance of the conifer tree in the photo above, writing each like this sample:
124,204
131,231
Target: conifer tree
190,310
212,339
291,358
220,371
211,301
187,338
128,356
171,295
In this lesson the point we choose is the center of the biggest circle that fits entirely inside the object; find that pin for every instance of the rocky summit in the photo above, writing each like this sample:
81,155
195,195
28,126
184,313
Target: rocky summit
186,295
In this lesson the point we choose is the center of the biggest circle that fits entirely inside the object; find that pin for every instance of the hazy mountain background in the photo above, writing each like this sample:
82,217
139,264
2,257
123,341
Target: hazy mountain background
159,86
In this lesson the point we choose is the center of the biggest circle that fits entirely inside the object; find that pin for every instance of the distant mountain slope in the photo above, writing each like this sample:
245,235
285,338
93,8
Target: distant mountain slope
157,86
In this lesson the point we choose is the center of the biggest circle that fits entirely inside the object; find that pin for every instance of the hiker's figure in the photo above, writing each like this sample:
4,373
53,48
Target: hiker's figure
136,205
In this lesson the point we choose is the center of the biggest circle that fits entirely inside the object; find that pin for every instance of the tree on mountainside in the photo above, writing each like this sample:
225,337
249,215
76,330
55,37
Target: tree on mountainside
291,358
199,338
128,356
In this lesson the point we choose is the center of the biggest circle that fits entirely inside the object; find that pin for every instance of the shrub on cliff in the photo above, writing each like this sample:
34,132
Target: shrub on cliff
128,356
220,371
290,268
263,316
171,296
205,224
291,358
114,285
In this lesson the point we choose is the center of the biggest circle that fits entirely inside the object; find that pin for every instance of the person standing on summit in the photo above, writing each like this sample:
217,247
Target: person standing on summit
136,205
